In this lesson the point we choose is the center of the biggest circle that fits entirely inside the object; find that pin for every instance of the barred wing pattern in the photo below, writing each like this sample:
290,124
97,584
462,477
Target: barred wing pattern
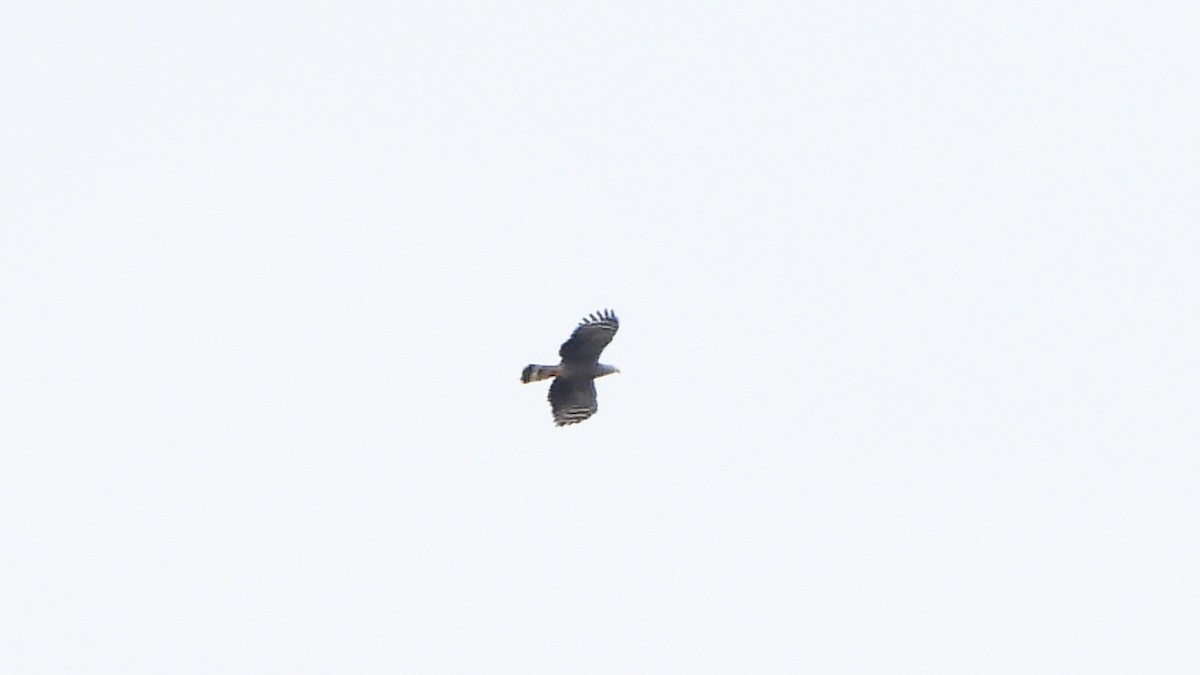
572,399
590,338
573,392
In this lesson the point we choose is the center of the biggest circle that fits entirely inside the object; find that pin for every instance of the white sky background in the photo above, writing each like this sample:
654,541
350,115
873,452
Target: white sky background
909,348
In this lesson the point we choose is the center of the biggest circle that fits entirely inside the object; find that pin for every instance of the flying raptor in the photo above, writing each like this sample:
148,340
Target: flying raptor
573,391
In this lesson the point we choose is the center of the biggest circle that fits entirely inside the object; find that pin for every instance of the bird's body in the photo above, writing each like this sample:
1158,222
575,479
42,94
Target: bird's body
573,392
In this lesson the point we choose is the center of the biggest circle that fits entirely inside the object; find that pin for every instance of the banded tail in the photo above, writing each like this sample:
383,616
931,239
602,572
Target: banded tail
534,373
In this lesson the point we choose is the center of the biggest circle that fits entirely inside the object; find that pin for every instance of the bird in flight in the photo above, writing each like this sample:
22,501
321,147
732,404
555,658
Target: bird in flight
573,391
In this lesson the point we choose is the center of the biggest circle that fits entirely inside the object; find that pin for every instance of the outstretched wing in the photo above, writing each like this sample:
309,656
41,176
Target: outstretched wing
572,399
590,338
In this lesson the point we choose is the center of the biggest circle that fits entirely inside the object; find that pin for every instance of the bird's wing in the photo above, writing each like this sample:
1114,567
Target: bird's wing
590,338
572,399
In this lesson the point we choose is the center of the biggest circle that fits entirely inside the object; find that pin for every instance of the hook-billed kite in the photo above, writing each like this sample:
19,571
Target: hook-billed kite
573,391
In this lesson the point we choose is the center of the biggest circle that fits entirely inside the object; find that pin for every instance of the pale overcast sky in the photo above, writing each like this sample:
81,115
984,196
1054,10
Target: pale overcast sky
910,340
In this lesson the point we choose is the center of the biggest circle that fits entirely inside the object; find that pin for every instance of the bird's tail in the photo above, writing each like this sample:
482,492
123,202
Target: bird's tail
533,373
